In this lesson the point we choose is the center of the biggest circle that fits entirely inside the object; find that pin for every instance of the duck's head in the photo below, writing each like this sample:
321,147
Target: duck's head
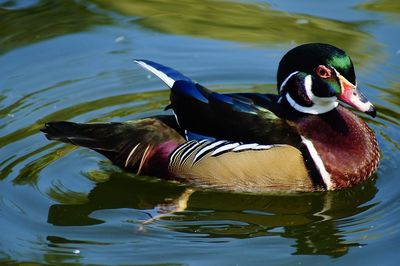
313,77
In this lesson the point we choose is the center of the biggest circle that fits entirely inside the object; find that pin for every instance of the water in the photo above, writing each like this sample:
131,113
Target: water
72,60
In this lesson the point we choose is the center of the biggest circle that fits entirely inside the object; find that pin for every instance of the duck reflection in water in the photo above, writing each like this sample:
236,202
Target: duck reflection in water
316,221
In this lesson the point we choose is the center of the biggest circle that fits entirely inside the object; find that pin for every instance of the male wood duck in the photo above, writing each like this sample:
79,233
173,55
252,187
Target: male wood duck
301,139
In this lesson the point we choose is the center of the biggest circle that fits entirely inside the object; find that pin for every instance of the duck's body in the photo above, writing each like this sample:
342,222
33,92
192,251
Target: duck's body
301,139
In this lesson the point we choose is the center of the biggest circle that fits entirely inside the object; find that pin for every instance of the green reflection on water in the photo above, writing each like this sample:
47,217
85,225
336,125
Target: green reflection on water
70,112
243,22
313,220
391,6
393,96
47,19
30,172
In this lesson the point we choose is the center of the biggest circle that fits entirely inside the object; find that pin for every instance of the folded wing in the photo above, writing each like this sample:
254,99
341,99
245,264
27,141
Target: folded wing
236,117
237,166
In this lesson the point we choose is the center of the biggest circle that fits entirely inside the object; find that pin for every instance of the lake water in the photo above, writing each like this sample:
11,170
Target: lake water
72,60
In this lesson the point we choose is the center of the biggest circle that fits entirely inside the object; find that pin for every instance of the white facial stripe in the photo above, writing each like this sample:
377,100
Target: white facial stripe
161,75
286,80
308,85
337,72
326,177
320,104
315,99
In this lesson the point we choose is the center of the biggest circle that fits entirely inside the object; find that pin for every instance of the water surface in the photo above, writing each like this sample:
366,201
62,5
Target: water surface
72,60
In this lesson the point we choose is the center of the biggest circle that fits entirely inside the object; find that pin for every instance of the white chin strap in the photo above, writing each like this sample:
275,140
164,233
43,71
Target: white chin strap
320,105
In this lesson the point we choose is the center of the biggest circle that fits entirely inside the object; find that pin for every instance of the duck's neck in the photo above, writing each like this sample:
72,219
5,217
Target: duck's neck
342,146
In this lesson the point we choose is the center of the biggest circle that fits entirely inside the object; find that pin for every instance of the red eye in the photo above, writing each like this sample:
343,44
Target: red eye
323,72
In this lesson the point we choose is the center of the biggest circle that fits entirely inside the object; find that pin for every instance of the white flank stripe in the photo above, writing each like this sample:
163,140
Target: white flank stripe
326,177
254,146
189,150
245,147
207,148
161,75
178,150
265,147
226,147
203,140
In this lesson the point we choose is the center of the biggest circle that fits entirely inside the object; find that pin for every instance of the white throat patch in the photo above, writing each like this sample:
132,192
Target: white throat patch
320,104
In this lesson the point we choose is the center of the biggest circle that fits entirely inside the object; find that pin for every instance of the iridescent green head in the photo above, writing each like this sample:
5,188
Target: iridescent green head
313,77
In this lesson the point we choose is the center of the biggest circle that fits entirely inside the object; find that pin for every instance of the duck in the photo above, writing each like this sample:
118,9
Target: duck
303,139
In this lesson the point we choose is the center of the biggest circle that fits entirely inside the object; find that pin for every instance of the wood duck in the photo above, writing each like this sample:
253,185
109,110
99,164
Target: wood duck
301,139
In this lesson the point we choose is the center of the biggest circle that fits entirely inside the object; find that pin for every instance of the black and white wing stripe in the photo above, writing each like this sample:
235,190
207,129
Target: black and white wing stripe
194,151
237,166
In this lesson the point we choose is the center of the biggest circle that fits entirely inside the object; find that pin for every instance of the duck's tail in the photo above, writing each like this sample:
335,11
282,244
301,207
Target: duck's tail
135,145
168,75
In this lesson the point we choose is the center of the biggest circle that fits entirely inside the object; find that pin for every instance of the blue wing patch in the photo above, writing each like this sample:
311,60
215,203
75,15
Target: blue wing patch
189,90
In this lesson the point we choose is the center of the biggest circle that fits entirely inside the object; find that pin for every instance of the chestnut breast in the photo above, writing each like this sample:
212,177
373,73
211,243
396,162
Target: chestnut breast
346,145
